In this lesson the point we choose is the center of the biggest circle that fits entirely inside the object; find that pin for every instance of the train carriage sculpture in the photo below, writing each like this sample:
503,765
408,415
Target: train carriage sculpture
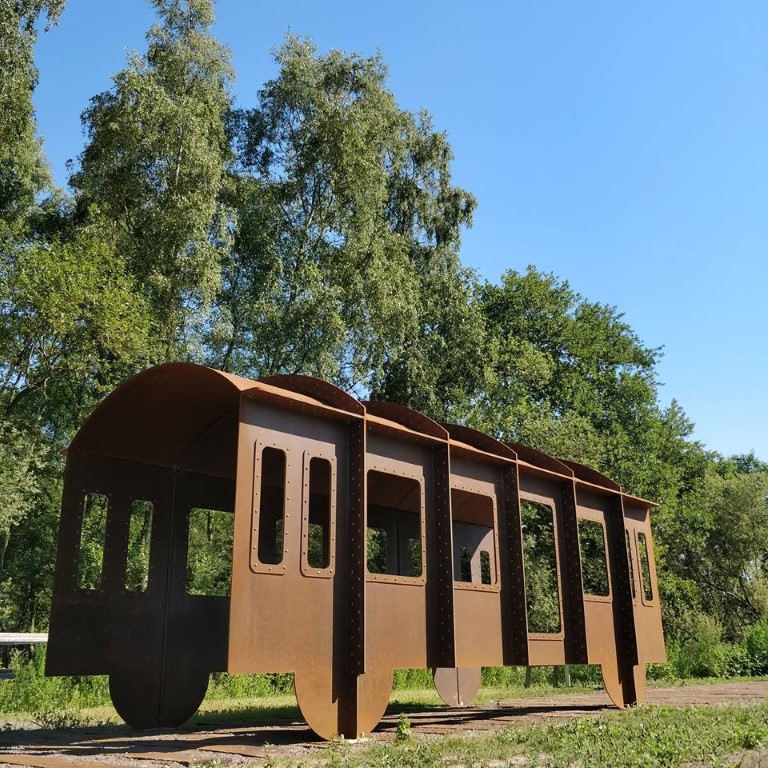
367,538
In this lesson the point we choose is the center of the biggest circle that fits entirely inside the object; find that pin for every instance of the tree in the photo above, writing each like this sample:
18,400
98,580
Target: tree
346,220
18,484
23,170
572,378
71,327
154,167
716,546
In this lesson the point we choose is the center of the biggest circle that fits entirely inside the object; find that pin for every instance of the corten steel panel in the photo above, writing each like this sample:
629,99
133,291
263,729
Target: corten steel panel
396,606
575,638
407,417
257,645
540,460
385,422
440,616
477,605
357,534
512,573
194,638
325,648
631,679
95,632
182,436
601,611
647,613
175,415
317,389
196,625
591,476
158,646
512,608
546,648
481,441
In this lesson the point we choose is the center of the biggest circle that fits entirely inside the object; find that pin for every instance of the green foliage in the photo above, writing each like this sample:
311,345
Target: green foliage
23,170
154,168
19,458
209,552
594,562
31,691
377,550
139,541
651,737
345,262
541,586
27,576
223,686
559,354
71,327
704,654
739,661
756,644
717,540
403,731
411,679
93,533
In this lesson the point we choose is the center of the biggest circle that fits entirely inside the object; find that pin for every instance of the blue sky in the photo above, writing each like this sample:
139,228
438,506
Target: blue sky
620,145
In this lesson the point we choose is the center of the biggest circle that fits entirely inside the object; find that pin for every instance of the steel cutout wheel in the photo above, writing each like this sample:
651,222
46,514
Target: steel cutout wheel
143,701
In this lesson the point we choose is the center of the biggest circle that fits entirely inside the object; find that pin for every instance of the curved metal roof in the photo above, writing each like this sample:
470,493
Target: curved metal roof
480,440
322,391
186,416
407,417
540,459
166,415
589,475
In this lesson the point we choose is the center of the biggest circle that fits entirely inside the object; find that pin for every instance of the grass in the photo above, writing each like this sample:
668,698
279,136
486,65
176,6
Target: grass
641,737
645,737
251,710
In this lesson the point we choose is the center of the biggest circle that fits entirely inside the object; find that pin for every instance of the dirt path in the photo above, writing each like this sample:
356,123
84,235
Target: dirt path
230,745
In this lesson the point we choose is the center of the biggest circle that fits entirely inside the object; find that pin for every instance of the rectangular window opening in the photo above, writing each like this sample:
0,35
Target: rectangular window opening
645,566
319,524
271,511
485,568
139,539
594,565
378,550
465,566
209,552
631,563
394,525
540,563
93,533
474,546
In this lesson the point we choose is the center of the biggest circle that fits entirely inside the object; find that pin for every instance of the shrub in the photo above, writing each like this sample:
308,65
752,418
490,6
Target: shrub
403,731
503,677
737,661
31,691
704,655
224,686
756,644
409,679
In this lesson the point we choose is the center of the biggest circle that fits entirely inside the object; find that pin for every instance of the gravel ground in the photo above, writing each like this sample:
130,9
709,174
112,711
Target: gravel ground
232,745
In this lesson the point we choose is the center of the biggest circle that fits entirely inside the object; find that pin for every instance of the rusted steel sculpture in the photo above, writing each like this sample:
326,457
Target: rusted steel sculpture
366,538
